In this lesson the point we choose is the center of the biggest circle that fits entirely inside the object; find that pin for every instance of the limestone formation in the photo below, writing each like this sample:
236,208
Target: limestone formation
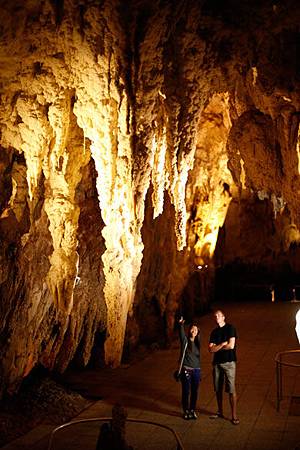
130,135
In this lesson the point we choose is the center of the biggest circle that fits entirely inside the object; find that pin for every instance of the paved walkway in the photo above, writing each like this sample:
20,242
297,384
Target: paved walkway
148,392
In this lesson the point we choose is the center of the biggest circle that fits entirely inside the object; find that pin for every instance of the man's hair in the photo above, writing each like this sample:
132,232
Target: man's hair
219,310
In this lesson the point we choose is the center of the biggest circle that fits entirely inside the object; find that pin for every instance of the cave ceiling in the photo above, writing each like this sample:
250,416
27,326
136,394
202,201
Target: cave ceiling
126,132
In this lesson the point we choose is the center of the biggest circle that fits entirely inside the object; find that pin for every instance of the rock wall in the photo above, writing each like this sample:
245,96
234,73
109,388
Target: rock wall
126,134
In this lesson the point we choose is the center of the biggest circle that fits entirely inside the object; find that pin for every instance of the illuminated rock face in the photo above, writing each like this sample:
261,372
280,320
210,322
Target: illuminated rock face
126,137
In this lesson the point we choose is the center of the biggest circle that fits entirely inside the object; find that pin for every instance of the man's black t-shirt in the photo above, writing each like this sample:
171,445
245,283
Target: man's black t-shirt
219,335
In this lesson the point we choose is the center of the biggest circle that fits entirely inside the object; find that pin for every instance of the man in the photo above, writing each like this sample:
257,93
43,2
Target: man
222,344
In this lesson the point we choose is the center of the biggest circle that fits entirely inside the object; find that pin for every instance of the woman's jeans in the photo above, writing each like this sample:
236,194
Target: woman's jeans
190,379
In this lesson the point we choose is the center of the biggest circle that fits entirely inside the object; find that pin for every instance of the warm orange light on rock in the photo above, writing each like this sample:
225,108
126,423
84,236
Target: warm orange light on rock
210,180
298,150
105,125
159,173
62,169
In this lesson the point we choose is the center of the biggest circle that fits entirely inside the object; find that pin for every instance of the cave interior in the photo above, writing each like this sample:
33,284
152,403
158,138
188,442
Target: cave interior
149,166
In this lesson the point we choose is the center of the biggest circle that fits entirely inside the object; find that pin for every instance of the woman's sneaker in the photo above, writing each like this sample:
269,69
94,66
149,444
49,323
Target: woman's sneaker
186,415
193,415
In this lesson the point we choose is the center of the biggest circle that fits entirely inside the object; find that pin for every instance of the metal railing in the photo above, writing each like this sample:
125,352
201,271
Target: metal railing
279,365
108,419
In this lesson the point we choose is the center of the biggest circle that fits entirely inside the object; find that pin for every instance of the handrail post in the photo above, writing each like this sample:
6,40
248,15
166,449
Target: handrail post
277,384
279,372
280,378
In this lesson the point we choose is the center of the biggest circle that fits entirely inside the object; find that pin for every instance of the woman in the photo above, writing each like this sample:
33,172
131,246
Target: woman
191,373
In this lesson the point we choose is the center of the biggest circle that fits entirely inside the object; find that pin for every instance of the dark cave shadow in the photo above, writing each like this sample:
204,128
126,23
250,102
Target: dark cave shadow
129,401
247,275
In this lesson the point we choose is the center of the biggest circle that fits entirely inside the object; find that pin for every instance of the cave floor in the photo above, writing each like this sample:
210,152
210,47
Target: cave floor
148,391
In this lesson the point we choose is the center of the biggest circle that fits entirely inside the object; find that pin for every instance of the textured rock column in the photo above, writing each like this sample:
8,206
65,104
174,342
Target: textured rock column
105,124
62,172
123,254
210,185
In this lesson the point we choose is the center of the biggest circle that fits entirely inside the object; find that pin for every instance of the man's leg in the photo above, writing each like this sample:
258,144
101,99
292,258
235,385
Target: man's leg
219,395
230,372
232,399
218,377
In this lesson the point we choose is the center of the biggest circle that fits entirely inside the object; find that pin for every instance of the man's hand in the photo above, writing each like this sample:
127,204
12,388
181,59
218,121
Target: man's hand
213,348
181,320
230,344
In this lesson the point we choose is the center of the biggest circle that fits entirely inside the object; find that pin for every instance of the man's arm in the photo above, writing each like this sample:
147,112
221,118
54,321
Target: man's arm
213,348
230,345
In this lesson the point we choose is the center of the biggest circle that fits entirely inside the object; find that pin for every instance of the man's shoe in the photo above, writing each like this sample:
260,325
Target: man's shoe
186,415
193,415
216,416
235,421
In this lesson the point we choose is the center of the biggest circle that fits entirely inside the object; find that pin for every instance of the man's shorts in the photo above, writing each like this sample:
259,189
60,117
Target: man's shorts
224,371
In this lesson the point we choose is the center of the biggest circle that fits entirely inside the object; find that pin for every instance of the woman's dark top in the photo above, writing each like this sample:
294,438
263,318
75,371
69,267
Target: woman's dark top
192,353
